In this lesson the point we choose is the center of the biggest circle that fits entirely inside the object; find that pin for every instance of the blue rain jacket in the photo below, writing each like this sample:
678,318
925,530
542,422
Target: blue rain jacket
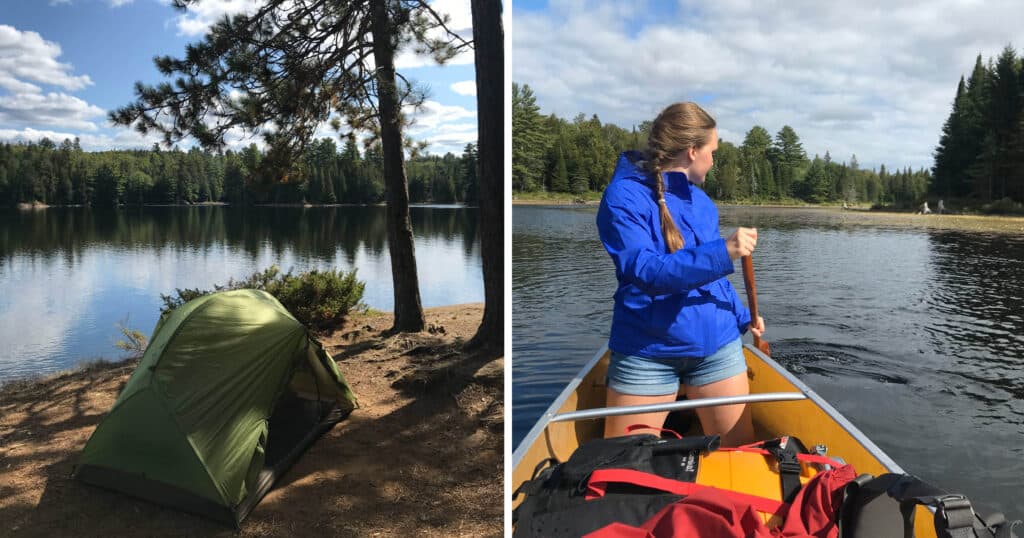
667,305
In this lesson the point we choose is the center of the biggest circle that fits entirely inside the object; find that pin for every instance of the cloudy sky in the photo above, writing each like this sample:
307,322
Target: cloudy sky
874,78
65,63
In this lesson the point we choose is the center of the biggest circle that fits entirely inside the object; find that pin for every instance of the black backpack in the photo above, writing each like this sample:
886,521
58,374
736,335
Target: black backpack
555,506
884,506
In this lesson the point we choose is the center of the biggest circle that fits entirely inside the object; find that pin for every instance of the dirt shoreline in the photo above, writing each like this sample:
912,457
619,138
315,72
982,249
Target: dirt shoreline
977,223
421,456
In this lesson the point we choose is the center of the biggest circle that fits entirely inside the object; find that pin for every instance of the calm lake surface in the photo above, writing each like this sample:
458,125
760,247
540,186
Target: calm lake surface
68,276
914,334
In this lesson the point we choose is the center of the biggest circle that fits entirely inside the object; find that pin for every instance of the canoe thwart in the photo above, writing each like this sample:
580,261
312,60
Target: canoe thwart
602,412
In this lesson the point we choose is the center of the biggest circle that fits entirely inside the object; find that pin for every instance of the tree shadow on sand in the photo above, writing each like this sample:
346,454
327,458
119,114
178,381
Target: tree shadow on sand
431,464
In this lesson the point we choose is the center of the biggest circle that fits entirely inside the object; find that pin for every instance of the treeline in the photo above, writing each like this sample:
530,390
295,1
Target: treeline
981,151
555,155
64,174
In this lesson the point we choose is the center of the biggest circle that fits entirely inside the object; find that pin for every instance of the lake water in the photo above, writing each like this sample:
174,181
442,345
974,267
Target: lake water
914,334
68,276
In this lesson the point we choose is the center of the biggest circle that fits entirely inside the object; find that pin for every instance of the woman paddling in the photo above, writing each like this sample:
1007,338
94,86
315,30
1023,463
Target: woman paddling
677,319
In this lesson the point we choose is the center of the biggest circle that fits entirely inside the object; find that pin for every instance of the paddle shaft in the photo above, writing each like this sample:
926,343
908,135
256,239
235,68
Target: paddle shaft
748,283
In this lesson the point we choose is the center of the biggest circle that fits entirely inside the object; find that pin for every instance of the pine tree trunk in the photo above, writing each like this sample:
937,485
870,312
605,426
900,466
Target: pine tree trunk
408,310
488,40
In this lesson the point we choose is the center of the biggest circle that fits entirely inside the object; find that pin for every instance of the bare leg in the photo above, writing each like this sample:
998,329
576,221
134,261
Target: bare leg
732,422
616,426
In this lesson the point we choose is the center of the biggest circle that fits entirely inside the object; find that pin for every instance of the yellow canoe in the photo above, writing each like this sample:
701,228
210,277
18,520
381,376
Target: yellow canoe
780,405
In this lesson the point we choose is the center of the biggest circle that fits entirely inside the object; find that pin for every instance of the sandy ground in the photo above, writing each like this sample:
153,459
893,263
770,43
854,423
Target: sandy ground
854,217
421,457
978,223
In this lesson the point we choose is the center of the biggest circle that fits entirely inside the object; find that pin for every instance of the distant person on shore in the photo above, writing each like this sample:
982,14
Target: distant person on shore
677,319
924,209
940,209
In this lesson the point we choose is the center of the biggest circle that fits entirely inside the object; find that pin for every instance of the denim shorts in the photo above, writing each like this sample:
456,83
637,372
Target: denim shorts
641,376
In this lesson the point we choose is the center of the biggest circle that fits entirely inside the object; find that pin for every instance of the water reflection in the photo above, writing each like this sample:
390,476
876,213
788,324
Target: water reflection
314,232
67,275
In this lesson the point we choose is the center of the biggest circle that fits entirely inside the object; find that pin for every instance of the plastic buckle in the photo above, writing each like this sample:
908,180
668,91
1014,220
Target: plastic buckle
953,506
788,463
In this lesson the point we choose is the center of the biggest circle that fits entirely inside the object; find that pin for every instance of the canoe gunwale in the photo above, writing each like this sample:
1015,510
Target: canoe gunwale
552,410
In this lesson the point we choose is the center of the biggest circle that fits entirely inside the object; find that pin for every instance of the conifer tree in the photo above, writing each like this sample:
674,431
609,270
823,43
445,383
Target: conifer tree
560,176
792,159
529,139
759,178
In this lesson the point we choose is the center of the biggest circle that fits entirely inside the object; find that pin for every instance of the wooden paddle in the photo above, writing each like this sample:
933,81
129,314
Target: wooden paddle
748,283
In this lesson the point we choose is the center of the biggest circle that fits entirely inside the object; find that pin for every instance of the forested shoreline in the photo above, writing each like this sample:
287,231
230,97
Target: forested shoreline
554,155
979,160
45,172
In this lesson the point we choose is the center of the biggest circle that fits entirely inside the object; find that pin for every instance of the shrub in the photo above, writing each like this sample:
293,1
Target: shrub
1004,206
318,299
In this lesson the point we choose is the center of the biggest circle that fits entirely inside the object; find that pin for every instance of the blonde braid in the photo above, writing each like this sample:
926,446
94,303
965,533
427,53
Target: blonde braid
673,239
681,126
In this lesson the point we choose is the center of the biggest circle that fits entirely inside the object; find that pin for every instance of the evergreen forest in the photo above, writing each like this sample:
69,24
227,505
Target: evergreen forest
555,155
63,174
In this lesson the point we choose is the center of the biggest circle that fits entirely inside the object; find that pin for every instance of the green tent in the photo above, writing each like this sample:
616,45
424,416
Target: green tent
230,392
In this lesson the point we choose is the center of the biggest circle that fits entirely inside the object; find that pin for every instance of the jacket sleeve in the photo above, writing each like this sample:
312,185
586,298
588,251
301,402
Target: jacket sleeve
743,318
641,261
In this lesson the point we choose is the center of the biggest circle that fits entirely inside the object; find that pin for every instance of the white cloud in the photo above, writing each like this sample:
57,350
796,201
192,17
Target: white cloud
460,22
443,127
452,137
465,87
432,114
873,78
236,139
198,18
10,83
29,134
27,56
460,13
121,138
407,59
119,3
28,61
57,109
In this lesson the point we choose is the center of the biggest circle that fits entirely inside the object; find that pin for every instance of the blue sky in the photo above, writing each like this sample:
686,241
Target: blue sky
872,78
65,63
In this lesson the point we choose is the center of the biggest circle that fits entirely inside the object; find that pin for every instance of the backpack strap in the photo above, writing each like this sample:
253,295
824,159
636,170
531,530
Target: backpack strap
601,479
533,485
789,452
786,451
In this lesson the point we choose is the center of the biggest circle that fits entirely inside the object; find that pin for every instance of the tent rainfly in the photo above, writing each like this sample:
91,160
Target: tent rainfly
230,392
